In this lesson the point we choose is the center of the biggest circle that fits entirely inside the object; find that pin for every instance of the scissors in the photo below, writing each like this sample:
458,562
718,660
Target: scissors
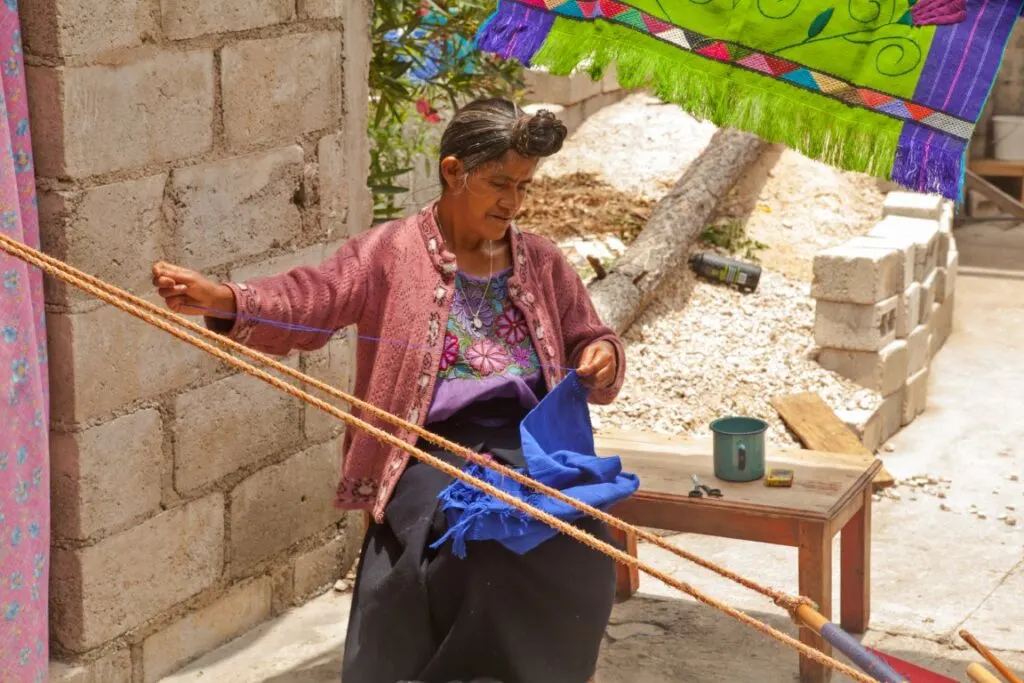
700,489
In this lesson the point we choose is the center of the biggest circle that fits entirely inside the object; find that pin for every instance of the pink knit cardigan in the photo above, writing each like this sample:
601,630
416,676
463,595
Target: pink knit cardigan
396,282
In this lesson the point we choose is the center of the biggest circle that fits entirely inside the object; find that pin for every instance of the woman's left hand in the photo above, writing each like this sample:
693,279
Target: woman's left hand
598,366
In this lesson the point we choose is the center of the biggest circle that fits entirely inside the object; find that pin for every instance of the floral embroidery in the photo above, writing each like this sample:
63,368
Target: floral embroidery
357,490
486,357
451,351
501,346
512,326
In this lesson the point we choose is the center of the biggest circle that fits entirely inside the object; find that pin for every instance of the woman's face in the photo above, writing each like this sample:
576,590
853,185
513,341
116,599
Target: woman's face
490,198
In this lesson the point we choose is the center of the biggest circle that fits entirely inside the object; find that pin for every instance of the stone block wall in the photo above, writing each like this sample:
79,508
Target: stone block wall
573,98
190,502
884,308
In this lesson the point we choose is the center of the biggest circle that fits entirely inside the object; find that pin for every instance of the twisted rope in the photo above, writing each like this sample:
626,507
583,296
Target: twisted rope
156,316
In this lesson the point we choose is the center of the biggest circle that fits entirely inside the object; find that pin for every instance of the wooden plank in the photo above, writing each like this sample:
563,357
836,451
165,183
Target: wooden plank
999,198
818,428
822,484
997,167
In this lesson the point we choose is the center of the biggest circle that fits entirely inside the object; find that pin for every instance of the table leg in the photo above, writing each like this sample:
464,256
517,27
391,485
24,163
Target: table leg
627,579
815,561
855,570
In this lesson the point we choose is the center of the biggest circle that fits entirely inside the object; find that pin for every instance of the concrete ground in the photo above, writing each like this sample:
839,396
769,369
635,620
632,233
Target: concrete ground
935,571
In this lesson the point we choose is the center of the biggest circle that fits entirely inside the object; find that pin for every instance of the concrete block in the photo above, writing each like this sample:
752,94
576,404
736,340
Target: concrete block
865,424
262,98
282,263
928,290
243,608
69,28
890,415
884,371
228,425
113,668
357,49
610,80
106,476
949,283
192,18
914,205
903,243
542,86
162,105
942,323
320,567
87,228
908,310
915,397
282,504
335,364
235,208
323,9
925,234
918,349
857,275
855,327
334,180
104,590
105,359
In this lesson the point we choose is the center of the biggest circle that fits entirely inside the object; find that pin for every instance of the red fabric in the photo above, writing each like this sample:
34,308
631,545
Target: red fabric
396,282
914,673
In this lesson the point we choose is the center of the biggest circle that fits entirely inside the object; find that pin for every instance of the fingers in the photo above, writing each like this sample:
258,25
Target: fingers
167,276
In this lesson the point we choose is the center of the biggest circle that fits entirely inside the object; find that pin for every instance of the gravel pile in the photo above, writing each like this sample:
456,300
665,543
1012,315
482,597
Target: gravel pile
702,351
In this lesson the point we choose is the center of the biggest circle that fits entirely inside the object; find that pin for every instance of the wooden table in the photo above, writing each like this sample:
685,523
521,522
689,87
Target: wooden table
831,492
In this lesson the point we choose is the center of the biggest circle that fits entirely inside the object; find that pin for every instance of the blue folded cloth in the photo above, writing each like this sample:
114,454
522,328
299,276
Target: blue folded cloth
558,448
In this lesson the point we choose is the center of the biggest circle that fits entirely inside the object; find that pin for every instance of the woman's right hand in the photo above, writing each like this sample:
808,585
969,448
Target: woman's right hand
189,293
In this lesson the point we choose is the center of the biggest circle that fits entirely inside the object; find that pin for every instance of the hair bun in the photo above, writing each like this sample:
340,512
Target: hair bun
538,135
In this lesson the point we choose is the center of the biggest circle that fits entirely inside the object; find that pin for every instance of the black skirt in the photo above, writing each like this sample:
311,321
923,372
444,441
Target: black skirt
427,616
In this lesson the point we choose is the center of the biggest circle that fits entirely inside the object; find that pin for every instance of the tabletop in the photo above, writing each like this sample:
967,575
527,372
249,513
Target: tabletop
822,482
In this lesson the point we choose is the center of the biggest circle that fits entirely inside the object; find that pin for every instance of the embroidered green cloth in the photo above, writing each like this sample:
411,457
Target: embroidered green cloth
888,87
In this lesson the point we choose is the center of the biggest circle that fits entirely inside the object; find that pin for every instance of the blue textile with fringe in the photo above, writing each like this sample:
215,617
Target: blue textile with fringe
558,448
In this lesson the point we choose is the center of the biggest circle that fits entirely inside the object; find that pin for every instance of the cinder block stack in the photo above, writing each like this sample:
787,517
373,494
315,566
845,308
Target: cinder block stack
884,307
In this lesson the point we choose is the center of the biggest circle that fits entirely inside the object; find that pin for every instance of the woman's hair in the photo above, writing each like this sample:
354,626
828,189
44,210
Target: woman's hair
485,129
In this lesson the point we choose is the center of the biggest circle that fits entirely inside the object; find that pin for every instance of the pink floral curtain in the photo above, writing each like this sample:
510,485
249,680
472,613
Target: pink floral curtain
24,392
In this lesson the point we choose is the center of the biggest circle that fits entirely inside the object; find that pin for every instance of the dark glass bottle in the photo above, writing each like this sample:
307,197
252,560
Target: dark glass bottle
743,276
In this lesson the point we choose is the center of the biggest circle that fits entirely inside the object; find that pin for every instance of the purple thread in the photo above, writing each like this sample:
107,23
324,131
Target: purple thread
330,333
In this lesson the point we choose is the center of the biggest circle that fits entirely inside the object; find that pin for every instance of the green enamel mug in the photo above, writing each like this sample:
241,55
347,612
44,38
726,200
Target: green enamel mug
739,448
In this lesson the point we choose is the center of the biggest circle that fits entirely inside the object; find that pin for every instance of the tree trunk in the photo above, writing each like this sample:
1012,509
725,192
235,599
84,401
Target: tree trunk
678,219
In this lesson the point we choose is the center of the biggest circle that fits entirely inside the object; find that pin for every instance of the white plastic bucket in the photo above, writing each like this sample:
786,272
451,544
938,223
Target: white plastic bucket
1008,137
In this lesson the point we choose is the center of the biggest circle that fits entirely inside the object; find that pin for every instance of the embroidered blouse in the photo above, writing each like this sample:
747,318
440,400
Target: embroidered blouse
487,349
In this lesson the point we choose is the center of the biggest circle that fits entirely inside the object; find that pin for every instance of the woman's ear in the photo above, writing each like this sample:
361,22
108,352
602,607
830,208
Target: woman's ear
453,172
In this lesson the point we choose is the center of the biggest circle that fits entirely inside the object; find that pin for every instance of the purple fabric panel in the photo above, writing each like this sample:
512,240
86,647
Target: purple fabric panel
452,395
958,71
927,161
515,31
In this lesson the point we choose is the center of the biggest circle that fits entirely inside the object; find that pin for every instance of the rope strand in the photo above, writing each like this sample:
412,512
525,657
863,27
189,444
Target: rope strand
152,314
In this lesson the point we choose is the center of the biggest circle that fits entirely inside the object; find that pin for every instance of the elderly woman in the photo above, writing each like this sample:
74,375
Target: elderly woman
479,321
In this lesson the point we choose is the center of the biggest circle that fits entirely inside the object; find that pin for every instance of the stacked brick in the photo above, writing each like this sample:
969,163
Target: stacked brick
190,502
884,307
574,98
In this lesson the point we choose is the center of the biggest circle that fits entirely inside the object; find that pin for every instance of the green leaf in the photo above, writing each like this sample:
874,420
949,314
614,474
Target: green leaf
389,189
820,22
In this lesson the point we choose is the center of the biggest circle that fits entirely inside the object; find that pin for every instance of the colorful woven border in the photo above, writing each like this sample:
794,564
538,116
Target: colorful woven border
741,56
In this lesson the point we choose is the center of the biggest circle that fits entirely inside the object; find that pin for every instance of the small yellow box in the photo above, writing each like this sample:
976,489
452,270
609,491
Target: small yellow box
779,477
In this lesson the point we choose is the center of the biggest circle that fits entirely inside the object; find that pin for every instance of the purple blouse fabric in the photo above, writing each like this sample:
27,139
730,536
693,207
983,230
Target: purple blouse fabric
494,360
